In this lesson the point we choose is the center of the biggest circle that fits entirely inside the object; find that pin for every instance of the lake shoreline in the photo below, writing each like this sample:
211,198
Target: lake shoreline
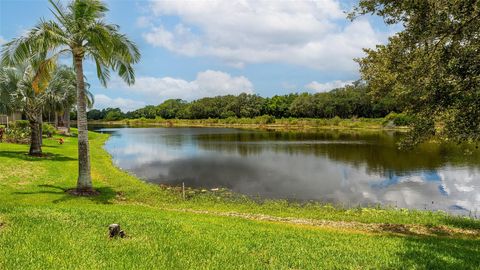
343,167
293,124
204,197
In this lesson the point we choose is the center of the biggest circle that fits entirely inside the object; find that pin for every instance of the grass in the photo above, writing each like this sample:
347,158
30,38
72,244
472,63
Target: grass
42,227
264,122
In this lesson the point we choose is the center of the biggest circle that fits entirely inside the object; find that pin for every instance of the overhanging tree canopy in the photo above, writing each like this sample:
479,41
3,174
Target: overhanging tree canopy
433,64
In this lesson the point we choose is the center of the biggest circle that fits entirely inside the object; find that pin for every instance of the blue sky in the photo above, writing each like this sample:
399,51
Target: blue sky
192,49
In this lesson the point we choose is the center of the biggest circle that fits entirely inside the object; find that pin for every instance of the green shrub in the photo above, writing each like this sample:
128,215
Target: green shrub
264,119
336,120
231,120
211,120
48,130
397,119
21,124
320,122
292,121
402,120
18,132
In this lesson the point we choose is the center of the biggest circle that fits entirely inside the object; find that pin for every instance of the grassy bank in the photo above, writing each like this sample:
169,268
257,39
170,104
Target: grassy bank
264,122
42,227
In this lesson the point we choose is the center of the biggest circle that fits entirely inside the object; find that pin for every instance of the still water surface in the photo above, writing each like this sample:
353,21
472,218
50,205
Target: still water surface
348,168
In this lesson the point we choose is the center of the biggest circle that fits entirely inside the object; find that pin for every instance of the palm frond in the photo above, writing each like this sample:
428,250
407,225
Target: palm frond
110,49
43,74
42,39
9,79
86,12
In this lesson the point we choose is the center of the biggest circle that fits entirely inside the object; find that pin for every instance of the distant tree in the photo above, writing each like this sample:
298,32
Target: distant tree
203,108
349,101
170,108
94,114
114,115
303,106
278,106
150,112
247,105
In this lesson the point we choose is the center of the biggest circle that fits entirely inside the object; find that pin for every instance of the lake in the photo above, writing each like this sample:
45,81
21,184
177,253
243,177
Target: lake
349,168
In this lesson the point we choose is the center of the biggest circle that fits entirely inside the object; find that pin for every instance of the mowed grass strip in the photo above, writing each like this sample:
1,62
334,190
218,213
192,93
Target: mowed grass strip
46,237
45,228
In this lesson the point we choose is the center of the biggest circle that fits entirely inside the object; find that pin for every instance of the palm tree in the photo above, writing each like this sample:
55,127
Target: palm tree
9,78
24,88
80,30
62,95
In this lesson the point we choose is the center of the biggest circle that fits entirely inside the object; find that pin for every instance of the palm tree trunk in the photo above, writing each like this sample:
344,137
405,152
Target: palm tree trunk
40,128
66,118
55,119
84,182
35,144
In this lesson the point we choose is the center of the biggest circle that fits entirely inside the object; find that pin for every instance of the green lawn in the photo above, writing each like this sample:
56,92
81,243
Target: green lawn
43,227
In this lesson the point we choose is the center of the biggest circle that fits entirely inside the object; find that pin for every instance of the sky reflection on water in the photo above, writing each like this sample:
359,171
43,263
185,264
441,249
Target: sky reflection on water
349,168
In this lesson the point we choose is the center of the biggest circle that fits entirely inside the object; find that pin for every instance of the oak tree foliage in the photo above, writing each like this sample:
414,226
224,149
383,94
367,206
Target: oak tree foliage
432,65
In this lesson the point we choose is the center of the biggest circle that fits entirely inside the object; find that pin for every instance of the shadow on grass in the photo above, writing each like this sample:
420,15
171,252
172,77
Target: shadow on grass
427,231
24,156
105,197
466,223
440,253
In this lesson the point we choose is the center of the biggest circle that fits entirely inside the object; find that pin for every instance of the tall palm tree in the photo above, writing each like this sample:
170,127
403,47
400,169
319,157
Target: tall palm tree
80,30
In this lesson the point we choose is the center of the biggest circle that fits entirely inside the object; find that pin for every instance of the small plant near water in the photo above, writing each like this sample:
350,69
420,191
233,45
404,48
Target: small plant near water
397,119
264,119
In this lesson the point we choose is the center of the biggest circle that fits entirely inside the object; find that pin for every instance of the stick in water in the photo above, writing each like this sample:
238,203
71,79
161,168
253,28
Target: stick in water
183,190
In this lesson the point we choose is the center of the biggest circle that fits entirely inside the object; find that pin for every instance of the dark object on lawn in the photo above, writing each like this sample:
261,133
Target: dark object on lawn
114,231
60,141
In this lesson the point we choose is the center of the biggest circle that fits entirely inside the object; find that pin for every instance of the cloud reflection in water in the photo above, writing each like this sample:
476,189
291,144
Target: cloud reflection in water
330,166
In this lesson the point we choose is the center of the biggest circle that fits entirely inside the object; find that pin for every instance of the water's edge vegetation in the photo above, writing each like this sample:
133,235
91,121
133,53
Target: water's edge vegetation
39,220
268,122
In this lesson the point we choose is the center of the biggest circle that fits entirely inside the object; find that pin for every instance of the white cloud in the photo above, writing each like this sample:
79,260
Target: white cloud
307,33
325,87
103,101
207,84
143,21
2,40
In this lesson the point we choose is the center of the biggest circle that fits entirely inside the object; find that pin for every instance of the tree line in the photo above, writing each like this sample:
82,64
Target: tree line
346,102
